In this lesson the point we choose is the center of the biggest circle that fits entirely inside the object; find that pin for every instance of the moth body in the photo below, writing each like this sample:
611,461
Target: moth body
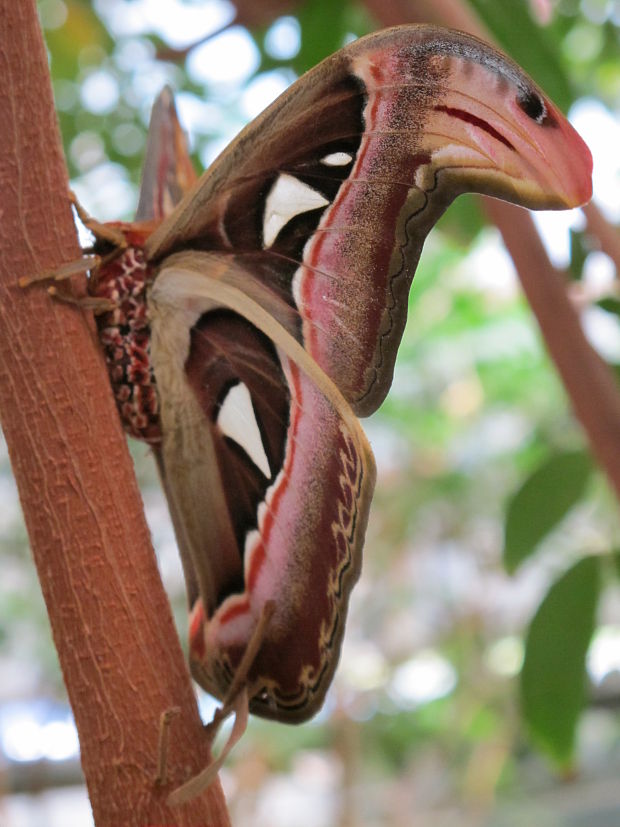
125,334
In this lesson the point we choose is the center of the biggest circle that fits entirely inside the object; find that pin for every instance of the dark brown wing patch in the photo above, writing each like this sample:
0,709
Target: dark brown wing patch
226,351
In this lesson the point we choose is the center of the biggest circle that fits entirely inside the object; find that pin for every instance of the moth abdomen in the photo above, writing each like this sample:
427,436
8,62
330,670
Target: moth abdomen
124,334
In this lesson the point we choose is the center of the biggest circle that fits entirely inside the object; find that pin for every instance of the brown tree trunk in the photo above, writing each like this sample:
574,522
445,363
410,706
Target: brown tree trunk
110,617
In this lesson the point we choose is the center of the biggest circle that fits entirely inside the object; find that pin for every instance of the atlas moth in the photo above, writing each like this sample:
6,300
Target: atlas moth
250,316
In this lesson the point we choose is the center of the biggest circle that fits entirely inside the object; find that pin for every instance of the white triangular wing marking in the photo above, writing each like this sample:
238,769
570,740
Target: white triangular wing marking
287,198
237,420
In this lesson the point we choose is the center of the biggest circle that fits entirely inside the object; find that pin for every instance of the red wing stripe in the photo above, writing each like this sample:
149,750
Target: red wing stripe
462,115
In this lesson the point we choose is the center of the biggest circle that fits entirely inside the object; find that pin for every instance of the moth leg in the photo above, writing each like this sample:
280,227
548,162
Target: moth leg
162,744
101,231
186,792
97,304
87,262
237,701
65,271
74,268
240,678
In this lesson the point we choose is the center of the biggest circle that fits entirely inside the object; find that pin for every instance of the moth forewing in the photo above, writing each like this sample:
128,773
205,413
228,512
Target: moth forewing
330,193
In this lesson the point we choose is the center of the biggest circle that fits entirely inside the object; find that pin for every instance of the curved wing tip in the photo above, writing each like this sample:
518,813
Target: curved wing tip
578,190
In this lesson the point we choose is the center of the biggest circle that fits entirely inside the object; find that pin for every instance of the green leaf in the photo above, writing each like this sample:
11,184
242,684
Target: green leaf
610,304
579,249
323,29
541,502
553,678
462,221
616,559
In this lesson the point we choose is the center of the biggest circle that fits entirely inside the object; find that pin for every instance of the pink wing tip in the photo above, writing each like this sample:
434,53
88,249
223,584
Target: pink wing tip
578,164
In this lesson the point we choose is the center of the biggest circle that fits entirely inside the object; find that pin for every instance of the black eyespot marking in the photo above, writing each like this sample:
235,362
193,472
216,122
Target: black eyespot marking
533,106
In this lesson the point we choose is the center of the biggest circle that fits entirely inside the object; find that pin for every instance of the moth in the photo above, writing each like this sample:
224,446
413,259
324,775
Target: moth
252,315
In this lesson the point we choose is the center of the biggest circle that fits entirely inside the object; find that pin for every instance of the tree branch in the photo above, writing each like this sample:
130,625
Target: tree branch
110,617
587,379
605,234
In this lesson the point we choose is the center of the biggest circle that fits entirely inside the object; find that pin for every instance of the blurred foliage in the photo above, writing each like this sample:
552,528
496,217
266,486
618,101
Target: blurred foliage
542,502
553,681
474,443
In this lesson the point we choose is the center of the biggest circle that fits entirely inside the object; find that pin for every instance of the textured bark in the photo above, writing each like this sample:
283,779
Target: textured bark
110,617
588,381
